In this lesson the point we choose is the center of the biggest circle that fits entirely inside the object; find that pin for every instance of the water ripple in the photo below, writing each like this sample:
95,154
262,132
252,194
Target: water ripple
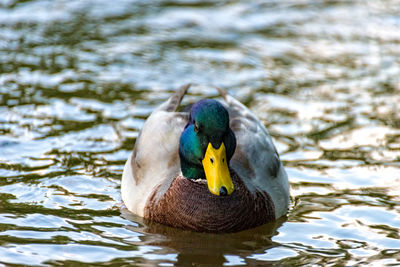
79,78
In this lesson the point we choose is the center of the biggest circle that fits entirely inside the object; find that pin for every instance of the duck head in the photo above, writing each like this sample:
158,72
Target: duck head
207,145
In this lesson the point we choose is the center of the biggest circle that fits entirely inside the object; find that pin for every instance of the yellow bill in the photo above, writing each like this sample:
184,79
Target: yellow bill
216,169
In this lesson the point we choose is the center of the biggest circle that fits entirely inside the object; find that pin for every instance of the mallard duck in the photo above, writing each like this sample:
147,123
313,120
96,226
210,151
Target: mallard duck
213,168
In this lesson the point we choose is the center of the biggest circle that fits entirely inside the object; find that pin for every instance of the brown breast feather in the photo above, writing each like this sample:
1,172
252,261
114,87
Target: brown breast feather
190,205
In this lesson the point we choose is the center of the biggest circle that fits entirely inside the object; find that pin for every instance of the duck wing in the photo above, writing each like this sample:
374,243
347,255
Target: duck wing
155,159
256,159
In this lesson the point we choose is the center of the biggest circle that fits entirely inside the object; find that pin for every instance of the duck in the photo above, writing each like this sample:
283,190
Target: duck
211,167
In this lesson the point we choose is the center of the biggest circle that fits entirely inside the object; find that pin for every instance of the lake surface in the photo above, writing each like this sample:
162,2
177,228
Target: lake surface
79,78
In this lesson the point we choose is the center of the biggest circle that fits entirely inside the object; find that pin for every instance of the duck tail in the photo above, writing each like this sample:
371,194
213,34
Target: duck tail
231,101
222,92
174,101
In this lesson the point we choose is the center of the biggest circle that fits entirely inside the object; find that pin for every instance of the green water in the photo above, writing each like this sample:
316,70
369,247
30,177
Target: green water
78,79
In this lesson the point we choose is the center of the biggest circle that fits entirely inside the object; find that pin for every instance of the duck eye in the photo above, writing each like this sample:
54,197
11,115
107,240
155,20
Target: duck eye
196,128
212,160
223,160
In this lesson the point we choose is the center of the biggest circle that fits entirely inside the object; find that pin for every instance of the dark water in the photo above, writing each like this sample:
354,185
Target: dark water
78,79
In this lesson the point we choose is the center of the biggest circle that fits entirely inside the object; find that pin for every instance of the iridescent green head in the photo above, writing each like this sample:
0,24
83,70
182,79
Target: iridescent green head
207,145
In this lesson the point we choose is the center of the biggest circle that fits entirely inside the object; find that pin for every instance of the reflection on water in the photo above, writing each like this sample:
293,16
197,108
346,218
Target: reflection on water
78,79
215,249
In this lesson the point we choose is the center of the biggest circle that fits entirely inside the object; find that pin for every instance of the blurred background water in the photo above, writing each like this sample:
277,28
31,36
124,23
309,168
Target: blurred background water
78,79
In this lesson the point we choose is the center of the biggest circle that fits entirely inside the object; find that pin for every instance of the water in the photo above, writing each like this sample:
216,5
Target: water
78,79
